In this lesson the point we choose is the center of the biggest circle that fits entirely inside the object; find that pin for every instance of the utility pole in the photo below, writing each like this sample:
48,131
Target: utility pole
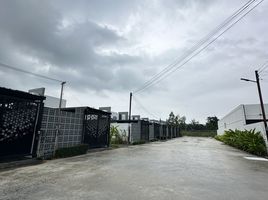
59,119
129,116
61,93
261,101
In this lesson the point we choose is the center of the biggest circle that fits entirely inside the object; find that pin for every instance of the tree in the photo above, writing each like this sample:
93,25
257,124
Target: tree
212,123
182,122
171,119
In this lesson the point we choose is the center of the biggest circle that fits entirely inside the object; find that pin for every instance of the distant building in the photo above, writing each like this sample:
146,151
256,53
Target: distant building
114,115
244,117
53,102
50,102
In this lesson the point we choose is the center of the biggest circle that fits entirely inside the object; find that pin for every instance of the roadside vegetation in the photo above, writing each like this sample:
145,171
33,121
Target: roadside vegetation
194,128
199,133
249,141
117,138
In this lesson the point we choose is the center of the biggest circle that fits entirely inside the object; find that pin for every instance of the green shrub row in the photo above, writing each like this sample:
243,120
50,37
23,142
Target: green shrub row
249,141
71,151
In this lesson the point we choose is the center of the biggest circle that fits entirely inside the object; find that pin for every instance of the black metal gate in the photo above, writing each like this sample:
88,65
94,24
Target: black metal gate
169,132
144,130
20,114
164,129
156,130
97,128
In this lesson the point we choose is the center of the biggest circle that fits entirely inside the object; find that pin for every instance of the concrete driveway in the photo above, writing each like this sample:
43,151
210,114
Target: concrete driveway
183,168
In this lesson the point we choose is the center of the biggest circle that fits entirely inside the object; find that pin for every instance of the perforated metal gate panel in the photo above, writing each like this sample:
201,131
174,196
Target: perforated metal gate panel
96,133
18,124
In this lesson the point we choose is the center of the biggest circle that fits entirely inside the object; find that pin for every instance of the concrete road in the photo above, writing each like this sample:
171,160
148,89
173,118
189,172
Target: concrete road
184,168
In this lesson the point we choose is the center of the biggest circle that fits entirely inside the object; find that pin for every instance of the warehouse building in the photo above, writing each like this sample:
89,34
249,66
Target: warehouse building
244,117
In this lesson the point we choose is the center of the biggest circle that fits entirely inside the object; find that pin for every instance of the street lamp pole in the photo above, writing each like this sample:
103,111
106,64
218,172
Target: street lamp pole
261,100
59,119
129,118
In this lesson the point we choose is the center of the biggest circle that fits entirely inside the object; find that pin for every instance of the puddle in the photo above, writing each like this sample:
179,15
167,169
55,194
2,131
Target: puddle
256,158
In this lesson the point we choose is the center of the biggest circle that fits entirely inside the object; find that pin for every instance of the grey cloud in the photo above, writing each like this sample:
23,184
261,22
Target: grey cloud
37,32
105,48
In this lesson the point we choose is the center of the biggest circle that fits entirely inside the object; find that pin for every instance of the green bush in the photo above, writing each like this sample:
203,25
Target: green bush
249,141
203,133
71,151
116,137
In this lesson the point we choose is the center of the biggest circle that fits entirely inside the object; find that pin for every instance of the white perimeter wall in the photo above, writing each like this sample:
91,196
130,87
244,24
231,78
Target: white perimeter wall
253,111
234,120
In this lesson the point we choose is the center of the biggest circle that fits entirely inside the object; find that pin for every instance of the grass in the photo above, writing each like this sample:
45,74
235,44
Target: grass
205,133
249,141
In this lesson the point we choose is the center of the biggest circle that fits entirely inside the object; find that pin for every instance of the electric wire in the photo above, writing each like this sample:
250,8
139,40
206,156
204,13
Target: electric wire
143,108
229,25
146,86
195,54
263,67
201,42
28,72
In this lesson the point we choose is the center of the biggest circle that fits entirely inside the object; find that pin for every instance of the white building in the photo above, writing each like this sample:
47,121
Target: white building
51,102
244,117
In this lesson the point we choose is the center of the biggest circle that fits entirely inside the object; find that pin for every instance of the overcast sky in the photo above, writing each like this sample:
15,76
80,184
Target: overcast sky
106,48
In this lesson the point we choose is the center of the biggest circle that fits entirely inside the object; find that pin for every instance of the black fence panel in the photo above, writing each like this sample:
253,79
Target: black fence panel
164,129
144,130
96,129
20,115
156,130
169,132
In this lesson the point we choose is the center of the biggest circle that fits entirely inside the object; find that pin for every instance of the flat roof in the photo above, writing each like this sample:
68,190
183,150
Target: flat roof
87,108
19,94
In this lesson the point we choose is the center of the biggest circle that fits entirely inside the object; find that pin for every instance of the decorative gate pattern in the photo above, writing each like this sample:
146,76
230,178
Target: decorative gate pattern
19,122
97,129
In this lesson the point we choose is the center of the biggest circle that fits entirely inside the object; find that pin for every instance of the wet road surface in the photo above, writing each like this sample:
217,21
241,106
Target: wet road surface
183,168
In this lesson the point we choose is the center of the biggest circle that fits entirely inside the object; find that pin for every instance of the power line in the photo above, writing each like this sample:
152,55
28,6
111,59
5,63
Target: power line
198,52
161,78
27,72
166,72
201,42
263,67
143,108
